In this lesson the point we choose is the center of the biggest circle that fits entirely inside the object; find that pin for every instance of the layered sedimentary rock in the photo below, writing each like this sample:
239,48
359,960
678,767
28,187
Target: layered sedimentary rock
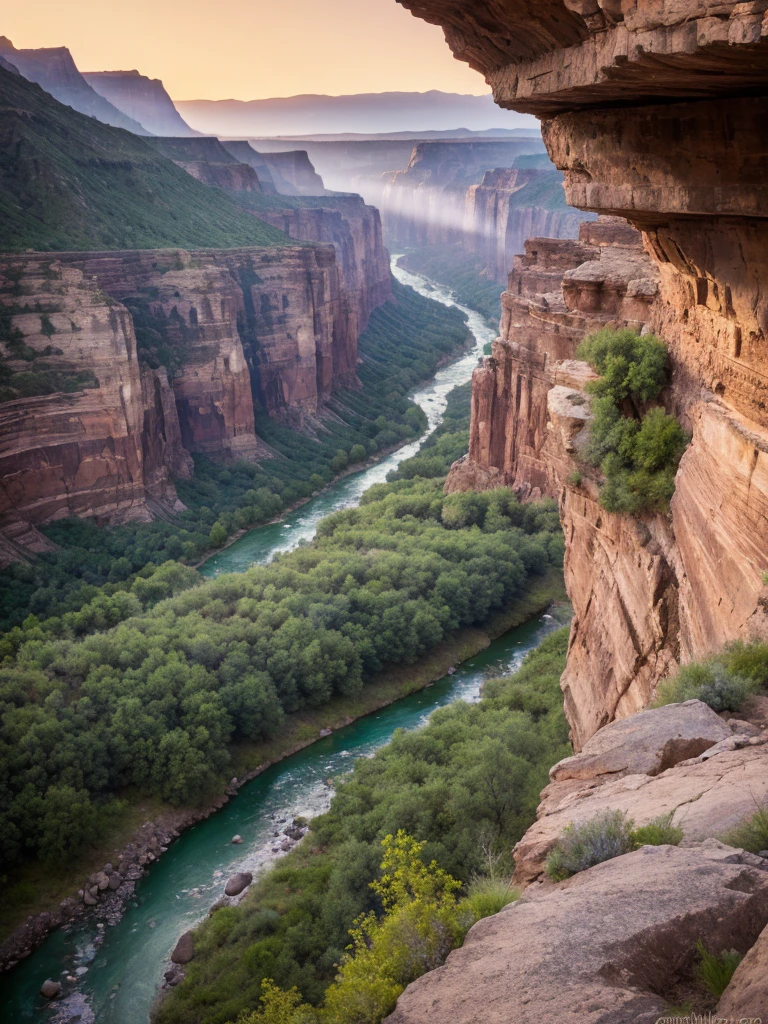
117,365
241,324
78,452
144,99
656,113
509,206
354,230
209,162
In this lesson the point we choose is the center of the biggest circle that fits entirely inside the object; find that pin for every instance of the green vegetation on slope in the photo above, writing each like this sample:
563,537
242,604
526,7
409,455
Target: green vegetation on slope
69,182
112,696
402,345
466,787
637,449
462,272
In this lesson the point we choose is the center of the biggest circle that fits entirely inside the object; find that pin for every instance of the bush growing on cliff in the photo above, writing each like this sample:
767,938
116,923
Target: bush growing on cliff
610,834
637,451
714,682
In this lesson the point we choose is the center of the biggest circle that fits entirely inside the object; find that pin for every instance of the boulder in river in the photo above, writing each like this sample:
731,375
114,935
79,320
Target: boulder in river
50,989
239,881
236,840
184,950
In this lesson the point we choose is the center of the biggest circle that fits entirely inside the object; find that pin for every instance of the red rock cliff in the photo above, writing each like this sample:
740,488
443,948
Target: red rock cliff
655,112
75,452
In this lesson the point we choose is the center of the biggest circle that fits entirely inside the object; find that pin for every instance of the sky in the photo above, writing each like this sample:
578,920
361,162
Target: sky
249,49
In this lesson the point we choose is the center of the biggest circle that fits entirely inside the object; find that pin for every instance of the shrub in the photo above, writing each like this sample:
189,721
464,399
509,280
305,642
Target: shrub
584,844
638,454
607,835
711,682
715,972
659,832
218,535
751,834
487,896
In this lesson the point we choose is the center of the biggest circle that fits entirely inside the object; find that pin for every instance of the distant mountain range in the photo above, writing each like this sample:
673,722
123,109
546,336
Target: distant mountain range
69,182
364,113
142,98
55,71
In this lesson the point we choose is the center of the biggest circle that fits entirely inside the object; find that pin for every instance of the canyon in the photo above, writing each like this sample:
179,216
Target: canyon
643,131
179,346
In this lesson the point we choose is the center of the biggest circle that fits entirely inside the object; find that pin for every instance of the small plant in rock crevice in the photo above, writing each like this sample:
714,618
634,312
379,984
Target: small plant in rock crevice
751,834
714,971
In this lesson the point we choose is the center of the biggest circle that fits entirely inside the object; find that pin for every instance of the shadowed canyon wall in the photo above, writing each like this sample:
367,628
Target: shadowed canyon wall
656,113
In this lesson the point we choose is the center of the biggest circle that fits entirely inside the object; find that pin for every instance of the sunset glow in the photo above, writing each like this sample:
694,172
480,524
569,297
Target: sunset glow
249,49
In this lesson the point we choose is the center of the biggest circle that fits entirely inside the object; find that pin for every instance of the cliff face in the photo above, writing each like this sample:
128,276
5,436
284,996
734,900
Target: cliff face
144,99
354,230
116,365
469,192
509,206
75,453
209,162
293,173
239,325
655,112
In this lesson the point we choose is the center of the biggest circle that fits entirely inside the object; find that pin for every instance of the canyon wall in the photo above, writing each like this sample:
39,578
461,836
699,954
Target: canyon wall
656,113
75,452
354,230
117,365
470,193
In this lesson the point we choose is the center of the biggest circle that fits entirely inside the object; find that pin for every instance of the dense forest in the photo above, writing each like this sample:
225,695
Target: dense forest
403,344
147,687
466,787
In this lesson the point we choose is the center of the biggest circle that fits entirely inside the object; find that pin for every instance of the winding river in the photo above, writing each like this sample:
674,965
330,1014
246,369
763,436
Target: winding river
119,968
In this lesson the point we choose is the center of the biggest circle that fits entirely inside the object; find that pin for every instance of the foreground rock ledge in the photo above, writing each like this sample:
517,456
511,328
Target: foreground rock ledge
590,949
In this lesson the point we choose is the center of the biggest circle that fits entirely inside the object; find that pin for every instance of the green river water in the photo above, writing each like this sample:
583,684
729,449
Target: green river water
119,968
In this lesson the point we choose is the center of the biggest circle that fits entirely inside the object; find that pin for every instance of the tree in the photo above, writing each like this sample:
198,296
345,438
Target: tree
218,535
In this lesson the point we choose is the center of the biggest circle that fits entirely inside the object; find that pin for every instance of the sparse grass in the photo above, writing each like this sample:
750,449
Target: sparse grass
751,834
585,844
610,834
659,832
487,896
714,971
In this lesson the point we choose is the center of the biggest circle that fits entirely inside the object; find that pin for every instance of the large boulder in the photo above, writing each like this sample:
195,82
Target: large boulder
747,994
705,799
608,946
50,989
184,949
647,743
239,881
